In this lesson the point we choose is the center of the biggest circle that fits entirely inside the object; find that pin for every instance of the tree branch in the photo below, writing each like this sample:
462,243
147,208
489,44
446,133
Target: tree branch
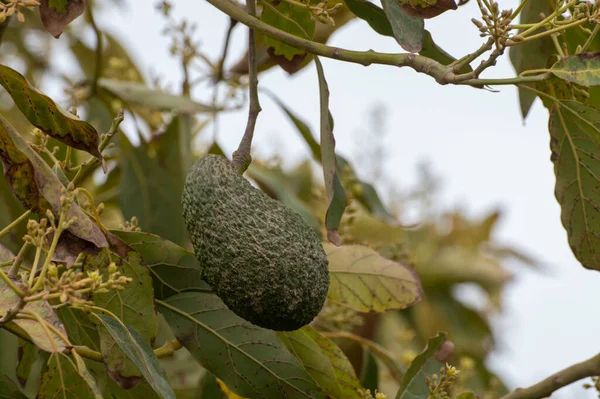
443,74
545,388
419,63
241,157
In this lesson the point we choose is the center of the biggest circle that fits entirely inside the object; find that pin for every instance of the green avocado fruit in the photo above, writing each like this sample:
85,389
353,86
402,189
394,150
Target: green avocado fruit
258,255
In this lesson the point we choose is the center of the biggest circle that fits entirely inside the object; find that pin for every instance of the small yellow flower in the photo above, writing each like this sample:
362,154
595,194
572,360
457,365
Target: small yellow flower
451,371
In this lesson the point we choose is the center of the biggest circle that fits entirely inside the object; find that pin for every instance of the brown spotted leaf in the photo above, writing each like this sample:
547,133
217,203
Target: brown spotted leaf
40,335
37,187
425,9
583,69
43,113
19,172
57,14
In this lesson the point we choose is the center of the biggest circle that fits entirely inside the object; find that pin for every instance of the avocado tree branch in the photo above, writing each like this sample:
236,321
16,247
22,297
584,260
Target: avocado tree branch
571,374
441,73
241,157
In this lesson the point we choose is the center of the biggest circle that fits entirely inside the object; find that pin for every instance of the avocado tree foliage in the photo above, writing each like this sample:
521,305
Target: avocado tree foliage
101,294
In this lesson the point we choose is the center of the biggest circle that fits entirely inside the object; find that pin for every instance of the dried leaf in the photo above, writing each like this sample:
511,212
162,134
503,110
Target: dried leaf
42,192
57,14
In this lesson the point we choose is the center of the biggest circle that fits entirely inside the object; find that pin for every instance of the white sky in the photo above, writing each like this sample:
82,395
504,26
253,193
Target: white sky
475,140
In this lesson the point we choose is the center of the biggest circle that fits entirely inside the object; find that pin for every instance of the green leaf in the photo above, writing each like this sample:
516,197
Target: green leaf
469,330
149,192
142,390
173,269
174,148
139,351
28,355
277,186
413,384
336,196
37,187
431,50
301,126
81,330
562,90
375,16
583,69
11,209
291,19
57,14
209,388
65,379
533,54
250,360
369,376
8,389
365,281
47,116
408,31
324,361
575,137
136,93
134,306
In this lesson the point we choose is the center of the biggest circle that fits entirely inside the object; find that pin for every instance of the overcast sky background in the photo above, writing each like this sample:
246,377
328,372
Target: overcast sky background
474,140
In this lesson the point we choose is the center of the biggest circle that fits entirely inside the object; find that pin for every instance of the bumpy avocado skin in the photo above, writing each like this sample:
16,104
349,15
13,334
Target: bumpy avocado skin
259,256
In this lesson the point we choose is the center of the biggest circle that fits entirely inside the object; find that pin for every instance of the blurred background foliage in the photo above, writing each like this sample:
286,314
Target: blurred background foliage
448,249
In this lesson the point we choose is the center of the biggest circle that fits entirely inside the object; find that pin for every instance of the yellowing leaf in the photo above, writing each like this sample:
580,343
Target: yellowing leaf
583,69
57,14
365,281
324,361
228,392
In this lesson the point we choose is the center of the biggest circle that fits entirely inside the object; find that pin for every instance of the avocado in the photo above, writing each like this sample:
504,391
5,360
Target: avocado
260,257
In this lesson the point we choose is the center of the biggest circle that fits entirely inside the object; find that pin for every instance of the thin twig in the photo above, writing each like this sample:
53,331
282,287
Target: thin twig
11,284
221,64
571,374
16,265
241,157
467,59
93,162
99,50
590,39
14,224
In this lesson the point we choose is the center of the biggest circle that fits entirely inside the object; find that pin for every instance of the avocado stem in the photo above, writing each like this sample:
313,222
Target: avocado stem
241,157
